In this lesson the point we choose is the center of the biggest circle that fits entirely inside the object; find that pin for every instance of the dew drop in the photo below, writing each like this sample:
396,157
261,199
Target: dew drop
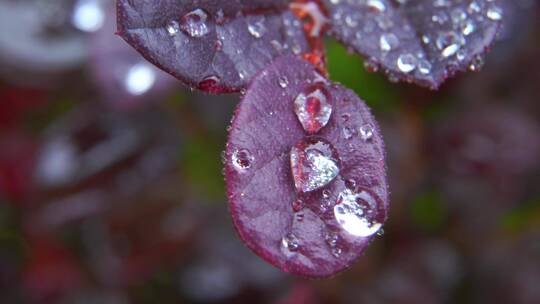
314,164
313,109
336,252
449,43
424,66
195,23
290,242
357,213
256,28
331,239
283,82
388,42
326,194
376,6
494,13
366,132
242,159
209,84
348,132
406,63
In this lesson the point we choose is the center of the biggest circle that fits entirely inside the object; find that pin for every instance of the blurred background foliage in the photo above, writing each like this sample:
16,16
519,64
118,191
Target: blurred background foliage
111,188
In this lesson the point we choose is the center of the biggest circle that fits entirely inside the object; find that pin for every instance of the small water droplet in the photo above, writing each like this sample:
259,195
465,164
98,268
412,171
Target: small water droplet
313,109
314,164
366,132
195,23
331,239
283,82
326,194
424,66
449,43
290,242
406,63
376,6
348,132
242,159
388,42
257,28
209,84
336,252
494,13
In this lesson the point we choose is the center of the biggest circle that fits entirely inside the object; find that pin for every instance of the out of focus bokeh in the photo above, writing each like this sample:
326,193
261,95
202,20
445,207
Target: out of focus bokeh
111,189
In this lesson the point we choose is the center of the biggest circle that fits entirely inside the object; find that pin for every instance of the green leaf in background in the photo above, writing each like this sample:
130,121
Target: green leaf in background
428,212
202,165
348,69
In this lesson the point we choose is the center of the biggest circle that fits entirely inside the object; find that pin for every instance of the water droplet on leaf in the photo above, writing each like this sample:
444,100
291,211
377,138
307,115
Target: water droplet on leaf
313,108
314,164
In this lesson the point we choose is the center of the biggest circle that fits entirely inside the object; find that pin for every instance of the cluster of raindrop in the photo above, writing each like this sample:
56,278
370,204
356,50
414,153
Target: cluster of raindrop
315,164
198,23
390,30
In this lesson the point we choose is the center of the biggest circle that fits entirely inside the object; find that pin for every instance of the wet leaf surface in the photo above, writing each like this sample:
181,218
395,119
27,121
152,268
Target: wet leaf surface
415,40
210,46
315,231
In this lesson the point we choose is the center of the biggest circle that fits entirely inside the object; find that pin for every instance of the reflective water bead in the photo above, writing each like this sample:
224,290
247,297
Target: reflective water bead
449,43
242,159
314,164
366,132
313,109
290,242
388,42
406,63
194,23
256,28
357,213
494,13
283,82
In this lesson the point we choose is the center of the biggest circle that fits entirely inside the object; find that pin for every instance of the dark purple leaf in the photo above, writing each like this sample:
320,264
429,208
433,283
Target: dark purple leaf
416,40
312,231
214,47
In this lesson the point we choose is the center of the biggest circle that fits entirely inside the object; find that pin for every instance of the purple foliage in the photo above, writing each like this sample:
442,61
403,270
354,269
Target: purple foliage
415,40
322,230
305,159
210,46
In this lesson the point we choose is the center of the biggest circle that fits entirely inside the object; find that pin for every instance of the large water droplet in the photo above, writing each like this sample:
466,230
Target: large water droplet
358,212
313,109
242,159
314,164
195,23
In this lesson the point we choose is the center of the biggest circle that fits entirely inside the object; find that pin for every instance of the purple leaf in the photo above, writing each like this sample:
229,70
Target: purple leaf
417,41
210,46
313,231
